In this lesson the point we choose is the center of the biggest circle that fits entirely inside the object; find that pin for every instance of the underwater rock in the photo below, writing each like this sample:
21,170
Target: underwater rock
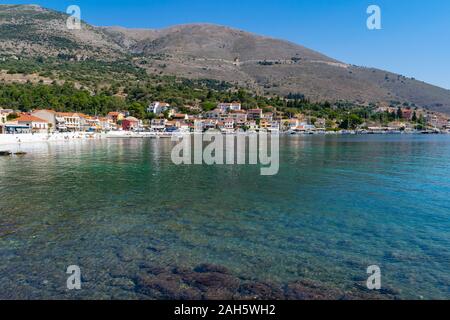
205,281
166,286
218,294
206,267
123,283
260,291
306,290
151,269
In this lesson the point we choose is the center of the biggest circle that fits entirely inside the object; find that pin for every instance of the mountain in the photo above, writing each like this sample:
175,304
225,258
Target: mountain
264,64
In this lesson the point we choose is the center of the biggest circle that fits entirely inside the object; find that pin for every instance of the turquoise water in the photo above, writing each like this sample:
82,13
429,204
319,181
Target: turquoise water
337,206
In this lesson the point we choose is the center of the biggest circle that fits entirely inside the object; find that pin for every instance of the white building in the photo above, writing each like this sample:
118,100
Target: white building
214,114
35,124
158,124
158,107
227,107
68,121
48,115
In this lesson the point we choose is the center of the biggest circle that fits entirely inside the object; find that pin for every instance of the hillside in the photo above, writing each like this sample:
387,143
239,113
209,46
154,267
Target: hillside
203,51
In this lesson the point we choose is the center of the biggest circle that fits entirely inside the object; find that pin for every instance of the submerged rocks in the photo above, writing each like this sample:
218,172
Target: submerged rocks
204,282
261,291
213,282
207,267
166,286
305,290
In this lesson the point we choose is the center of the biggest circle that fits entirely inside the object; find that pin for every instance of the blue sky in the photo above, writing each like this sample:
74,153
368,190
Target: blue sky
414,40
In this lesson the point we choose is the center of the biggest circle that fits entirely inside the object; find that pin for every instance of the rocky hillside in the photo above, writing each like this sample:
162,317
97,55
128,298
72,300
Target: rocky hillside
263,64
30,30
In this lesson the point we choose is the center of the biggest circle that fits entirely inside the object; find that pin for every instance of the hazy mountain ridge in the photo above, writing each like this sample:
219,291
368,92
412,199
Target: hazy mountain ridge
264,64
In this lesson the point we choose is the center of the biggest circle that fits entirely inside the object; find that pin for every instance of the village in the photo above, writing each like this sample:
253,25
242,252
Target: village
226,117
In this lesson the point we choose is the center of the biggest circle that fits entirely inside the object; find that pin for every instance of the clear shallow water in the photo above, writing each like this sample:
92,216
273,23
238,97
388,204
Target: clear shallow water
338,205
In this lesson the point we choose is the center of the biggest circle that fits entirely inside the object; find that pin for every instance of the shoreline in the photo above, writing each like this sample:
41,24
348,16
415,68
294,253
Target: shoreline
27,138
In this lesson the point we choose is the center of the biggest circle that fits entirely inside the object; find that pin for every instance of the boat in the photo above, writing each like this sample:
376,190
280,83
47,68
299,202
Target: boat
5,153
20,153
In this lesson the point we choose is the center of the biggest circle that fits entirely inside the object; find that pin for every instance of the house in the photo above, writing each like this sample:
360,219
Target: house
68,121
92,124
239,116
115,116
48,115
158,107
158,124
254,114
269,125
251,125
227,124
226,107
35,124
12,127
106,124
130,124
213,114
290,124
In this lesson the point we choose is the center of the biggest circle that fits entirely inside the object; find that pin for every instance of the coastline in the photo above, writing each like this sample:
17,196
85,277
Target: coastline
16,139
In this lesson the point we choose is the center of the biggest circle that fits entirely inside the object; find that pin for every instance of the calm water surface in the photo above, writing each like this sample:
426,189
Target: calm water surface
338,205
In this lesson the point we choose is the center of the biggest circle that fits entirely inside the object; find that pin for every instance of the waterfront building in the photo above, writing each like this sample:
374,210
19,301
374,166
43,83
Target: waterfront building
130,124
12,127
158,124
116,116
269,125
68,121
35,124
48,115
107,124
